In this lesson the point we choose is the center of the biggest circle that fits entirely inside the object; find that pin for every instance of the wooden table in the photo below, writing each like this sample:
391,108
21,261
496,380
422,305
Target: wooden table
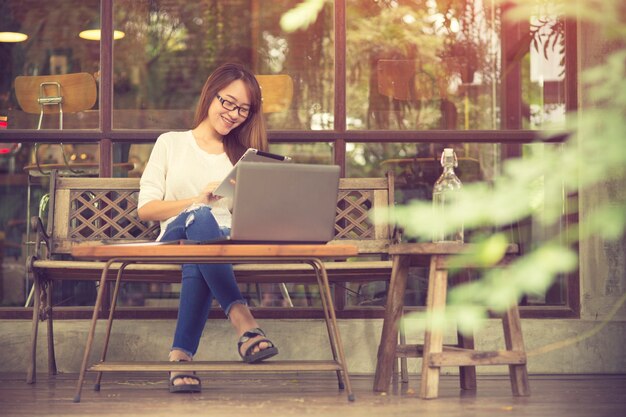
230,253
433,352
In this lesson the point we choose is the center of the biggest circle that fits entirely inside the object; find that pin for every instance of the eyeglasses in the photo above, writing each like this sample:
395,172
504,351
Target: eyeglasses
230,106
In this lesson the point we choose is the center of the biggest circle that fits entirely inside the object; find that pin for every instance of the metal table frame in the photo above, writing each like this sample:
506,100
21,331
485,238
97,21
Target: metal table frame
338,363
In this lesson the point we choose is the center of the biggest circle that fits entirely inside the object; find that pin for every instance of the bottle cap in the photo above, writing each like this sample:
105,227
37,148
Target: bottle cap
449,155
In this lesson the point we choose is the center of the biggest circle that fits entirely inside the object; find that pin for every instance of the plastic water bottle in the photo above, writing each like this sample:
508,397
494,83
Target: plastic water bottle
447,184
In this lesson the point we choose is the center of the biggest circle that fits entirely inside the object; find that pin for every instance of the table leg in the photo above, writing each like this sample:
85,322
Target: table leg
327,320
107,336
433,337
92,331
337,336
393,313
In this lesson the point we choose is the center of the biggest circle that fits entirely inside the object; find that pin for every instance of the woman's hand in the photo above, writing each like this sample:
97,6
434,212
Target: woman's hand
163,210
206,196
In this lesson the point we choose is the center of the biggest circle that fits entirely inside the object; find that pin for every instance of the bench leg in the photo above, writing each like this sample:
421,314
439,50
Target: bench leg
433,337
52,362
31,372
514,341
393,313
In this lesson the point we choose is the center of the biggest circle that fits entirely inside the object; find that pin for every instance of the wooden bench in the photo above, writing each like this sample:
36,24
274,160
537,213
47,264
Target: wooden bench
97,210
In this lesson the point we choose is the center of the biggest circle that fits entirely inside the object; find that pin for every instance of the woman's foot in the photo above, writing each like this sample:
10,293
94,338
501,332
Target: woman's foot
254,347
181,382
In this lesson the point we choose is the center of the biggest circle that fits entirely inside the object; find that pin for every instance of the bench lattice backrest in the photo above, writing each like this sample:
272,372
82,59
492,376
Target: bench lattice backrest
105,209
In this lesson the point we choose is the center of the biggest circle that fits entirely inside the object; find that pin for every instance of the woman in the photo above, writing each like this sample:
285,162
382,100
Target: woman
176,189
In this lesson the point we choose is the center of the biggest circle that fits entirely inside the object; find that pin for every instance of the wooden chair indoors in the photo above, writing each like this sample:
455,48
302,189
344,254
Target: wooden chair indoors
277,92
55,95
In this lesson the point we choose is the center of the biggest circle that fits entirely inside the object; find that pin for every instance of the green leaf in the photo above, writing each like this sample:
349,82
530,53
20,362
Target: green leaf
301,16
483,254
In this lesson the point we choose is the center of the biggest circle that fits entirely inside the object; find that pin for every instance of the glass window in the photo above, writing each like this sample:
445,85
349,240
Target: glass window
416,165
543,72
416,168
258,296
24,186
49,64
423,65
131,158
172,47
306,153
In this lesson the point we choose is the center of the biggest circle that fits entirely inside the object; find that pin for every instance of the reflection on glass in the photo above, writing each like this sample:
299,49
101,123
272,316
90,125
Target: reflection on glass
544,71
416,168
305,153
52,53
171,47
440,65
417,163
256,295
136,155
423,65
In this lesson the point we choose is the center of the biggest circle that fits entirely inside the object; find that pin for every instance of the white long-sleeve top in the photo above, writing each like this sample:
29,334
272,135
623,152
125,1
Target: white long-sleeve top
178,169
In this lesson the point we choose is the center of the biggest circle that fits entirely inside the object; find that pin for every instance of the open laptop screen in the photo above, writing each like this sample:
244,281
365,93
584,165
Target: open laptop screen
276,202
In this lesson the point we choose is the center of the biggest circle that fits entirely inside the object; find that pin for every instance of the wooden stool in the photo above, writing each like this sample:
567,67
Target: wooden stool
433,353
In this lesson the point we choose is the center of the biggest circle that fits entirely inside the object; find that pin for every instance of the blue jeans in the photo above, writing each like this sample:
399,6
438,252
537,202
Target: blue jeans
201,282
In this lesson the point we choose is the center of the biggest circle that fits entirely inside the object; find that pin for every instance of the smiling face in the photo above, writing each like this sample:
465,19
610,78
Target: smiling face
222,120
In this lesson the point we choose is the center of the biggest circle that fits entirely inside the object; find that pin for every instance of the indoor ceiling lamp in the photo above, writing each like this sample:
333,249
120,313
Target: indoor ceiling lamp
10,31
9,27
13,37
93,33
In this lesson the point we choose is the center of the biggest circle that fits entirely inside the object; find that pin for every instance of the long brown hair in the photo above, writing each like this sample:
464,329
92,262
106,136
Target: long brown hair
251,133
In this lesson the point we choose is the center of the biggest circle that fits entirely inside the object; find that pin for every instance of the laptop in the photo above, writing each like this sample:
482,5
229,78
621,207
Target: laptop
284,203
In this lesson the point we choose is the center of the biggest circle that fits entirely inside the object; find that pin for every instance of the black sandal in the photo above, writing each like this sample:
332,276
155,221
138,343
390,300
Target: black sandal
261,355
184,388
